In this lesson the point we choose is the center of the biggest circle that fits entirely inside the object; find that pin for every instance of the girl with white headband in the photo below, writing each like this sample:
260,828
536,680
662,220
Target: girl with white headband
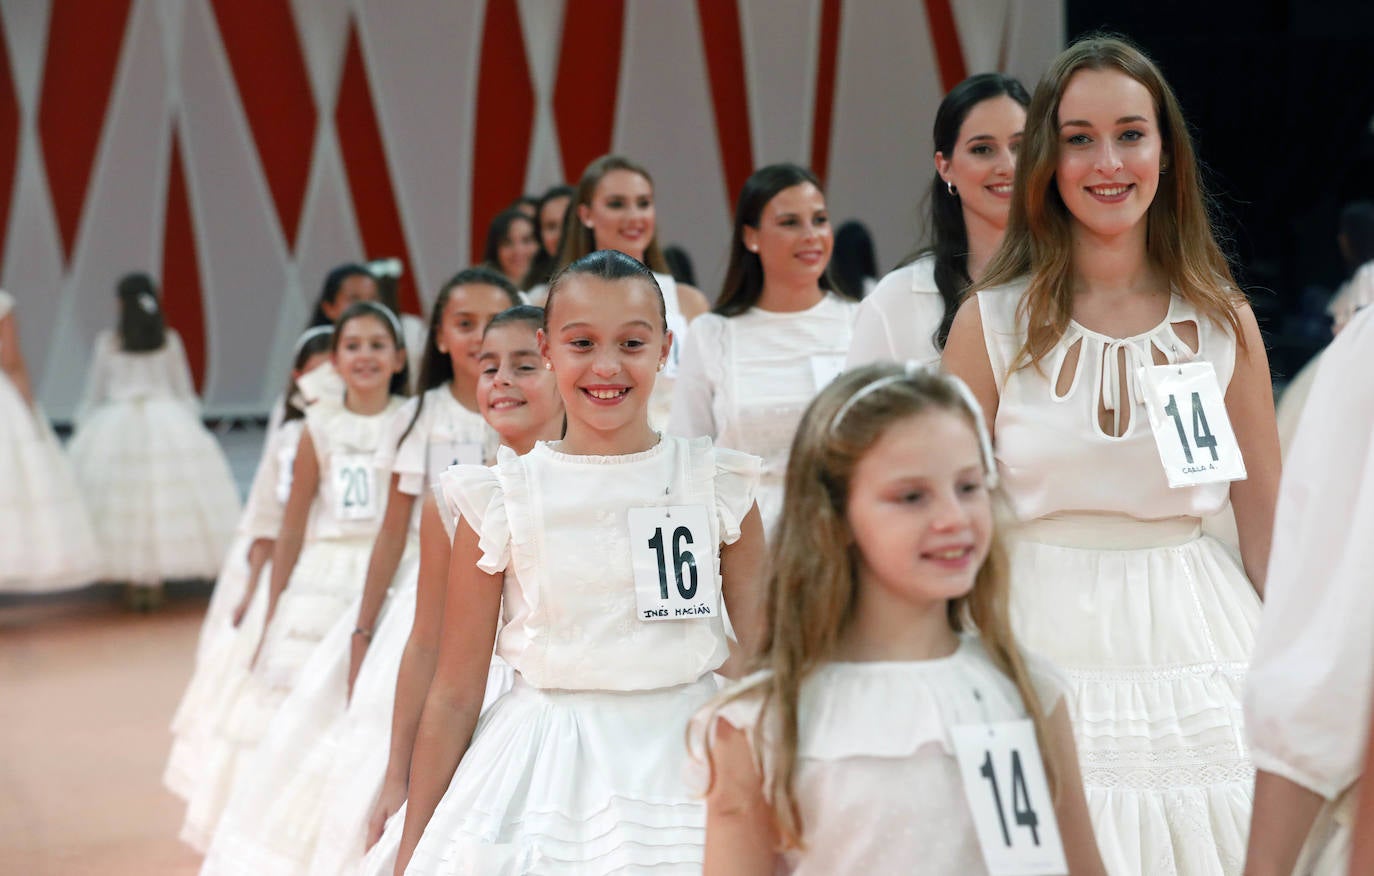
889,668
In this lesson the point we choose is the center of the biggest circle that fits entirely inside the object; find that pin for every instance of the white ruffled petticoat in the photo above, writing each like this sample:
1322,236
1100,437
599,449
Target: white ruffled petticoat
159,490
546,788
1153,625
46,537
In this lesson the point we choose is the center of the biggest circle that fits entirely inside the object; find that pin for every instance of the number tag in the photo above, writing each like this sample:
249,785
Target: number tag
674,562
825,369
443,454
677,324
1004,782
355,486
1192,430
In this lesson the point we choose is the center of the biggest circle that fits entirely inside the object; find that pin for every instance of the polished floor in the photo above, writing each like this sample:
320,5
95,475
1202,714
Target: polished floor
86,692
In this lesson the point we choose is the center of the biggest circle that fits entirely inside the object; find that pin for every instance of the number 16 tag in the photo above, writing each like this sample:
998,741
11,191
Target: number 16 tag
674,563
1192,430
1013,813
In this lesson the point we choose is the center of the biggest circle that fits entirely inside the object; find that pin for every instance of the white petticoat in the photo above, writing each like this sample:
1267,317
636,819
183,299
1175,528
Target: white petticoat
1153,626
46,537
586,782
159,490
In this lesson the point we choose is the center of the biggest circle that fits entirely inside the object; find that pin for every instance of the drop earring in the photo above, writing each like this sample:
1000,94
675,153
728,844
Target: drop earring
953,192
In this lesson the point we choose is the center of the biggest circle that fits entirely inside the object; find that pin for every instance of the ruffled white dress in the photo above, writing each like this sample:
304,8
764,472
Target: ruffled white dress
1308,697
157,484
877,782
745,381
326,581
46,537
322,752
220,655
897,322
1112,580
579,768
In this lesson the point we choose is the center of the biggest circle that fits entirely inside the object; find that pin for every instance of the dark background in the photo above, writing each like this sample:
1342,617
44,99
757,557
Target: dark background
1280,97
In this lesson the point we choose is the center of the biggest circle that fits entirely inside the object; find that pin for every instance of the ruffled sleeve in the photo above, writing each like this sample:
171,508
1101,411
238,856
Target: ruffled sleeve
741,706
736,481
475,493
406,457
6,303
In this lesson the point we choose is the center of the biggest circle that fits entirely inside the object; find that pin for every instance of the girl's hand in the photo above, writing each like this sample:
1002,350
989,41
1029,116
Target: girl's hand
388,804
240,610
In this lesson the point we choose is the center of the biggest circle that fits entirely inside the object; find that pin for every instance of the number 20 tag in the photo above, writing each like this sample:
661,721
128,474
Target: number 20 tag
1191,427
674,563
1013,813
355,486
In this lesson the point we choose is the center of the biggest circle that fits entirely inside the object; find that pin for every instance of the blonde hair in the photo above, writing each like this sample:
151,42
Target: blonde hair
813,579
578,240
1179,239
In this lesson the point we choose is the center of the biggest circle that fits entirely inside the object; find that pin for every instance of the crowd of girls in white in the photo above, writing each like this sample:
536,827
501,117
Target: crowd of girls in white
630,586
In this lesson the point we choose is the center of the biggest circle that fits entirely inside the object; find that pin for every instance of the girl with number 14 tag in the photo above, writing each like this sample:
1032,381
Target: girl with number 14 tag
846,752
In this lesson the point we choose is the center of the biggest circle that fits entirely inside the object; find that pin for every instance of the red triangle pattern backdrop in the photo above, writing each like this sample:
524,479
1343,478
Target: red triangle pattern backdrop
239,148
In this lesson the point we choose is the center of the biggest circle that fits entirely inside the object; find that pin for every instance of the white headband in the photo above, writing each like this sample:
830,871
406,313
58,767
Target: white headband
395,323
911,369
310,334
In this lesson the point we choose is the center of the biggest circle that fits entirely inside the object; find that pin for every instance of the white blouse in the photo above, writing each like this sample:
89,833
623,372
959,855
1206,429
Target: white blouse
558,525
1307,697
335,430
445,433
117,375
898,321
746,380
1053,455
877,782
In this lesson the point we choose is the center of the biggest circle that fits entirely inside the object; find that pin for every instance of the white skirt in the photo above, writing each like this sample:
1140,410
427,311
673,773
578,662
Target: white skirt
159,490
586,782
46,537
1153,624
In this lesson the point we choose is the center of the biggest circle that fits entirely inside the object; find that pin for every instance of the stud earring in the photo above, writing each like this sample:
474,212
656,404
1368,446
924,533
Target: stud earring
954,193
660,365
548,366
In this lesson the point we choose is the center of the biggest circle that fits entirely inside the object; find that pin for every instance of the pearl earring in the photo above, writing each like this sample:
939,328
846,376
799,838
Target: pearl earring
548,366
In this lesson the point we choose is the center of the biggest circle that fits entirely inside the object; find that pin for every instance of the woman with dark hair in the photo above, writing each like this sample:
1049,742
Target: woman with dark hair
345,284
511,244
156,482
46,538
977,134
778,333
549,214
1108,315
854,266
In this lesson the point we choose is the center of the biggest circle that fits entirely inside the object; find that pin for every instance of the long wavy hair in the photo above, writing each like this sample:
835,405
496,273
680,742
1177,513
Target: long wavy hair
744,275
1180,238
499,230
579,240
813,579
947,235
142,327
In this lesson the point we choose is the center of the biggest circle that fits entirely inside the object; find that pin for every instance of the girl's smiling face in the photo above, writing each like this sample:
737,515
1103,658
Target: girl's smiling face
467,311
366,355
982,163
621,214
605,341
515,393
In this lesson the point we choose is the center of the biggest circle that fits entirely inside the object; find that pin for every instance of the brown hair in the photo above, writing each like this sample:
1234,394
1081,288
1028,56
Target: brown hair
1179,238
579,240
813,580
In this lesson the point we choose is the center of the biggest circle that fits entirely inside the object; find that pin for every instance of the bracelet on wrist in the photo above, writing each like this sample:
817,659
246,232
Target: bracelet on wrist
366,634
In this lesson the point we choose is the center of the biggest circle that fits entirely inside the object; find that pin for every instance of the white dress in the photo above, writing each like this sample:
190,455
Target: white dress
1112,580
745,381
157,484
220,655
579,768
326,581
321,752
1307,700
898,321
877,782
46,537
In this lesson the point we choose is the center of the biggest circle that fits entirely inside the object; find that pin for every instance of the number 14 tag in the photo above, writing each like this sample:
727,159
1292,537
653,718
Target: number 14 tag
1192,430
1013,813
674,563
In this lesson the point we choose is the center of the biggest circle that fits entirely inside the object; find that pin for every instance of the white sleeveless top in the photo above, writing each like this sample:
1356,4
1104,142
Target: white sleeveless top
876,780
746,380
898,320
1052,454
334,429
444,430
558,525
